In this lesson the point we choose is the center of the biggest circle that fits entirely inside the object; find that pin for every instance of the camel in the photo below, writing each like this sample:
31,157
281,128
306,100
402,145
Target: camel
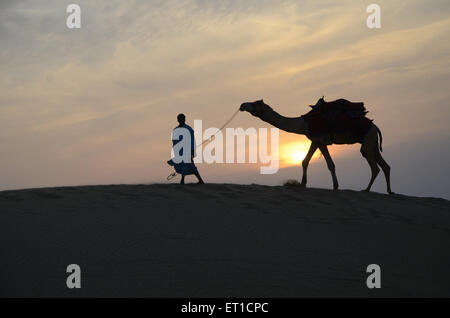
370,149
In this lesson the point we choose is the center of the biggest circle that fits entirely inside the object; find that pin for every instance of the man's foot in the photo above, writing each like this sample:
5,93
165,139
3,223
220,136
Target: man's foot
200,182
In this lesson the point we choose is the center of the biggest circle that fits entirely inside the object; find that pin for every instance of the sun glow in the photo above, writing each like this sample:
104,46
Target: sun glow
293,153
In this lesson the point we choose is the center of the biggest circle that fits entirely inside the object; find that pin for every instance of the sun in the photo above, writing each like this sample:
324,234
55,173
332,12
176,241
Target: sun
298,156
293,153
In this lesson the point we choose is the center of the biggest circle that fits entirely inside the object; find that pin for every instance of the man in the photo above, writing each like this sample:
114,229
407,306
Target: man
186,168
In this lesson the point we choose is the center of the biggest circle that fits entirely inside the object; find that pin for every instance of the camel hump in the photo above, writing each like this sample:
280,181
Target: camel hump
340,105
343,104
338,116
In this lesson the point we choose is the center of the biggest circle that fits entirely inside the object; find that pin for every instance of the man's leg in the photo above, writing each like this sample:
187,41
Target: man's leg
182,179
200,180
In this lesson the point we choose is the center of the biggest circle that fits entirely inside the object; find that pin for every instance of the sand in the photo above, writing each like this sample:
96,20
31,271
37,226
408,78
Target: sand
221,240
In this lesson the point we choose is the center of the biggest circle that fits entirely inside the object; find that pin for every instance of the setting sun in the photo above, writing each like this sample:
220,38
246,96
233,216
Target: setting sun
294,152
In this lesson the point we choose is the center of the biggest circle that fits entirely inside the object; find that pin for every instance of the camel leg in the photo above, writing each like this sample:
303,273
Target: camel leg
305,162
371,158
330,164
386,170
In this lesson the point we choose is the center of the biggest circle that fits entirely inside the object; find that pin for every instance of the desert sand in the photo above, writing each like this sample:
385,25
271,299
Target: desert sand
221,240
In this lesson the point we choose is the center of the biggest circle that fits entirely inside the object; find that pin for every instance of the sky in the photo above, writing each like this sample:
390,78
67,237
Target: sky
97,105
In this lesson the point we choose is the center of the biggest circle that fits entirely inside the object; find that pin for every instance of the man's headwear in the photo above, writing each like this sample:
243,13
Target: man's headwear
181,118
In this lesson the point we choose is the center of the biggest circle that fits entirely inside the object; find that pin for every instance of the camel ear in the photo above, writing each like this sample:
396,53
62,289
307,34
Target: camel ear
262,100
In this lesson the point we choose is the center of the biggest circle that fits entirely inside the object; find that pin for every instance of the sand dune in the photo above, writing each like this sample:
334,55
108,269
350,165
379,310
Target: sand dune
221,240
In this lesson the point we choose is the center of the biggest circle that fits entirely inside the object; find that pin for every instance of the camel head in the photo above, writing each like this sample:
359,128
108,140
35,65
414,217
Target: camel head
255,108
320,102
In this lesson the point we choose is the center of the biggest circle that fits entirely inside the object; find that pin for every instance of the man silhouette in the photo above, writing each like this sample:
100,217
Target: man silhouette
186,168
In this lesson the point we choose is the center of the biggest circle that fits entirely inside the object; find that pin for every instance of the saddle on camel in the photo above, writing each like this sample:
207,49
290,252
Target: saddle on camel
341,116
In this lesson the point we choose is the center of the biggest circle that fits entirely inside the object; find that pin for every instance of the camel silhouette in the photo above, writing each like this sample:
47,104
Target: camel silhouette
366,133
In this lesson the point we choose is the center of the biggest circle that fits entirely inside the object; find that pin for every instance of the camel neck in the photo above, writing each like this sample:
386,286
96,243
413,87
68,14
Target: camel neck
290,124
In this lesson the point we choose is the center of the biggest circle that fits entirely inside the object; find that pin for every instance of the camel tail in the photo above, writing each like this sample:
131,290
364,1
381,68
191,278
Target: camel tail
381,137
